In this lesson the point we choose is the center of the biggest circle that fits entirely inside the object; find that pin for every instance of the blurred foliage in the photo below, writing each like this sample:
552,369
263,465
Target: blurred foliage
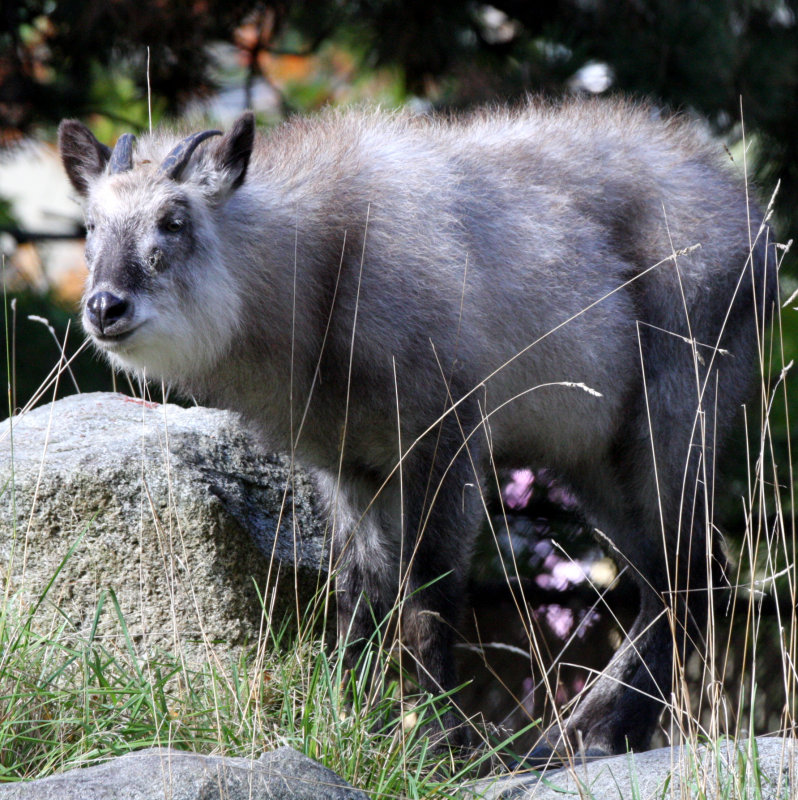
6,215
57,55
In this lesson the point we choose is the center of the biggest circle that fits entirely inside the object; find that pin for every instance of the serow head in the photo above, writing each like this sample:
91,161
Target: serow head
158,298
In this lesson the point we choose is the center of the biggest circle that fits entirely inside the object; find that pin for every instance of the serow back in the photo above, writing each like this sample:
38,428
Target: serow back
408,303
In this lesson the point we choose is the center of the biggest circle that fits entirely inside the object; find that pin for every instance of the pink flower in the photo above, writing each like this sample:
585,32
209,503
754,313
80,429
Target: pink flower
518,489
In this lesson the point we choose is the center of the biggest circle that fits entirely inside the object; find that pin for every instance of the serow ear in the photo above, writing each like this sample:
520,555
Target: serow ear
235,148
84,158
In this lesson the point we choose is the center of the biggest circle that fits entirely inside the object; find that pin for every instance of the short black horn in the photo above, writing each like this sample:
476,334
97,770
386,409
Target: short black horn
174,164
122,157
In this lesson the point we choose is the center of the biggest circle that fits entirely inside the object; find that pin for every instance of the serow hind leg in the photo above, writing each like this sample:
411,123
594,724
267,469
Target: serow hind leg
621,709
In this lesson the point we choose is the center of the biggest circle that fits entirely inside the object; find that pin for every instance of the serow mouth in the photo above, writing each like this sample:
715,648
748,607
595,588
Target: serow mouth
110,339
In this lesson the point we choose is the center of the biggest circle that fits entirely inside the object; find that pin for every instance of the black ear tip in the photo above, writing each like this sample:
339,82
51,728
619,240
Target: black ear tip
245,124
243,132
82,155
68,128
236,148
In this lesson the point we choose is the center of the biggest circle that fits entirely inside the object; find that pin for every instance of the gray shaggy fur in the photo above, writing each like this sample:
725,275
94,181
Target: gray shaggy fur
540,287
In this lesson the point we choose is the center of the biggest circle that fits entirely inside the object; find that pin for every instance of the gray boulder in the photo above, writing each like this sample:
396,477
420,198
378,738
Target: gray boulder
166,774
764,768
173,509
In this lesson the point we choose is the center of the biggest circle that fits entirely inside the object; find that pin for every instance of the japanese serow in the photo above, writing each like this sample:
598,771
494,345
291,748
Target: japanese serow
409,303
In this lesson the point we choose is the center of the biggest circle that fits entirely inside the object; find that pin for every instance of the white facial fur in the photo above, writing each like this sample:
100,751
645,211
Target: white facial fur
185,308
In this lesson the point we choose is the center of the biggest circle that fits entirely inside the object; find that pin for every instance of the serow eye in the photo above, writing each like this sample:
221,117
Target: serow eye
173,225
89,226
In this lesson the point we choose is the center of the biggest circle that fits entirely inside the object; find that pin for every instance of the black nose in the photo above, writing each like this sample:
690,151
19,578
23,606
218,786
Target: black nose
105,309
